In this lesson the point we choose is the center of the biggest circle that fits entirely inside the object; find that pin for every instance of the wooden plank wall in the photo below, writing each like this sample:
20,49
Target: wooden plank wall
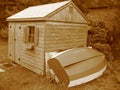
33,59
61,37
68,14
52,37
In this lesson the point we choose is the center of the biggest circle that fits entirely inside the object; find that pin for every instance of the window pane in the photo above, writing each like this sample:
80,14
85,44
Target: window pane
31,34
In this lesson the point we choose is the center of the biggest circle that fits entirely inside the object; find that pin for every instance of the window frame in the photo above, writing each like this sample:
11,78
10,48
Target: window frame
31,35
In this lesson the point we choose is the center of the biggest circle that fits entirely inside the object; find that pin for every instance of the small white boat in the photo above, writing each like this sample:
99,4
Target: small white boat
77,66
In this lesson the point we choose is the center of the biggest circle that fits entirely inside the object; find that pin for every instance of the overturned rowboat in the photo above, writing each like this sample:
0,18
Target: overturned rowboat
77,66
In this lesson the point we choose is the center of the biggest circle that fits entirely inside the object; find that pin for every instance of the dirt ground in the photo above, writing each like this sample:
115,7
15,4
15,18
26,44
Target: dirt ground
16,77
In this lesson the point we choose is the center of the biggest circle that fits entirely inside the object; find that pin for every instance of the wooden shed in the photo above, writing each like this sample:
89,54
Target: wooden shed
41,29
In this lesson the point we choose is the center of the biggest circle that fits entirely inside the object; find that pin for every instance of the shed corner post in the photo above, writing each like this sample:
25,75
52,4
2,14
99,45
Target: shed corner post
44,72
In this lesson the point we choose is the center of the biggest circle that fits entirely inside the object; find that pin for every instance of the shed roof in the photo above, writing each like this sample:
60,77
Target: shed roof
38,11
41,12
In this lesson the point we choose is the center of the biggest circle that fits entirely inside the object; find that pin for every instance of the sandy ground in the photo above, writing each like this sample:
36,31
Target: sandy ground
16,77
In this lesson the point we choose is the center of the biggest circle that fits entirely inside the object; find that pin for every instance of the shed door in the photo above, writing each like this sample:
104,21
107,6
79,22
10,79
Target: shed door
17,33
11,42
14,43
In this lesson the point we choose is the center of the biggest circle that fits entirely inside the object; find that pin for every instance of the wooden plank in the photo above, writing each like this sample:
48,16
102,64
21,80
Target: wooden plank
31,61
35,57
72,24
50,39
36,48
41,34
11,44
38,71
60,27
66,33
39,55
41,38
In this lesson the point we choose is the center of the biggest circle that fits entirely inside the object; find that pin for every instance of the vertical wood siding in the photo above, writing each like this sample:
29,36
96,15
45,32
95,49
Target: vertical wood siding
68,14
11,41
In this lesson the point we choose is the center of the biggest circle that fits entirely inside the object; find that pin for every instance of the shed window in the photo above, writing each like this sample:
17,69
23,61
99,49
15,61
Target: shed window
31,35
